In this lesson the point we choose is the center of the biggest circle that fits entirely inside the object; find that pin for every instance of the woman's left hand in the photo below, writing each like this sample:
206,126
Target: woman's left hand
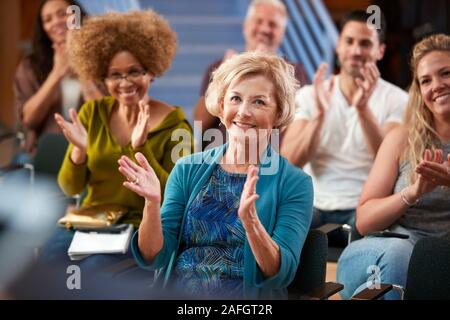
247,209
142,127
141,178
436,171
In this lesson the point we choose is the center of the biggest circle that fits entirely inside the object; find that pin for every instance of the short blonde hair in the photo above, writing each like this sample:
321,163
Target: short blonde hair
274,68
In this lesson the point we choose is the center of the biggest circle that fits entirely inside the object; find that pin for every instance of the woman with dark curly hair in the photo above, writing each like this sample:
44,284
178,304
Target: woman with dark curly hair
44,83
124,52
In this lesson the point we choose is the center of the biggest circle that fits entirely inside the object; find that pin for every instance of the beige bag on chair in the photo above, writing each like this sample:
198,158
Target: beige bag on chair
92,216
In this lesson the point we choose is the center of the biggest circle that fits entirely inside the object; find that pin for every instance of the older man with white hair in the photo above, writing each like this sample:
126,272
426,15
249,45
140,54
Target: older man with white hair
263,30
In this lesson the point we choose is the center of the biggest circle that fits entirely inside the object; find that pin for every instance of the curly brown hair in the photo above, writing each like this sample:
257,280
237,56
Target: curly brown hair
144,34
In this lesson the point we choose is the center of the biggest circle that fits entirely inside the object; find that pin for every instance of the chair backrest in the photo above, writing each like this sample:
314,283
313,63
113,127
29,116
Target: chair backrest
51,149
311,272
429,270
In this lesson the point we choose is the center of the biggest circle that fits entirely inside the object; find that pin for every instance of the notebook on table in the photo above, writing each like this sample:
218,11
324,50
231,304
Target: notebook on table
86,243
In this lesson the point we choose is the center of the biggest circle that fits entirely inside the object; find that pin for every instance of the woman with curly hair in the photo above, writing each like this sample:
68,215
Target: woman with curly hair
408,188
44,83
124,52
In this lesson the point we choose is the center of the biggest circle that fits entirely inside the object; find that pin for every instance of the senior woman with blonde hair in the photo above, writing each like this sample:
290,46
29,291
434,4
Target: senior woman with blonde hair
228,228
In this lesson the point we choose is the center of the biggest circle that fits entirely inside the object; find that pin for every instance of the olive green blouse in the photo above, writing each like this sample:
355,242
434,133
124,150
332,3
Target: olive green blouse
100,172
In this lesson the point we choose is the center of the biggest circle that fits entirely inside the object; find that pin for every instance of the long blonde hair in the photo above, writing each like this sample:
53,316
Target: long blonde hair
418,118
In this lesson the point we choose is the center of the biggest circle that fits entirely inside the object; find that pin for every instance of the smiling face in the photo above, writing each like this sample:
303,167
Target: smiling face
433,75
54,16
357,45
128,91
264,28
249,104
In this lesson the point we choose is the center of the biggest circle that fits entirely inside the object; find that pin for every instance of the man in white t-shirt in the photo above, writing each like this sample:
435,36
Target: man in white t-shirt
341,122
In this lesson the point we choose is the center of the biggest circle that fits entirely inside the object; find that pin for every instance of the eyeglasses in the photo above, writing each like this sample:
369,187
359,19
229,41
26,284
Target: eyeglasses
132,75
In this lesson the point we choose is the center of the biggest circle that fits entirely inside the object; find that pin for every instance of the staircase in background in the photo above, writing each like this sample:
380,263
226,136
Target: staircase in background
205,29
96,7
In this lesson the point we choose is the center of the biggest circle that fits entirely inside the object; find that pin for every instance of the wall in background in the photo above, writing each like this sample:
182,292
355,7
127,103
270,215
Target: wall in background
341,7
9,53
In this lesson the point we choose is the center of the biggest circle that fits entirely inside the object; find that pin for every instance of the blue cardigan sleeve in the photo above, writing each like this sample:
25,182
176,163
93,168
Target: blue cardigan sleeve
294,214
172,212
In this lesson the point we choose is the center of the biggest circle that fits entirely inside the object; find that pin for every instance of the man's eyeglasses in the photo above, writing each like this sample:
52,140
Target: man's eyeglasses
132,75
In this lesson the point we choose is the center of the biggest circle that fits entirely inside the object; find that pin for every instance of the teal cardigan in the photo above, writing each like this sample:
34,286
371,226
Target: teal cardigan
284,208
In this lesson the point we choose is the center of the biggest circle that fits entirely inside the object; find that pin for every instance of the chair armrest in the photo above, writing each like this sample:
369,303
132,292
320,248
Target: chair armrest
77,199
7,135
373,294
11,167
12,135
321,293
329,227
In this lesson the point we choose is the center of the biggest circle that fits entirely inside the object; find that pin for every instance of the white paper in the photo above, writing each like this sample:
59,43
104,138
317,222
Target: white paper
87,243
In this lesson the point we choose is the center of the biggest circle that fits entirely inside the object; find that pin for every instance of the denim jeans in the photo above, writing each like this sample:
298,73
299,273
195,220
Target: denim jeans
383,259
339,237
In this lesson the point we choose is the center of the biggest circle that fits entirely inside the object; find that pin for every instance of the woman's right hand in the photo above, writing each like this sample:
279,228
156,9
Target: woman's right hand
141,179
74,131
61,66
424,184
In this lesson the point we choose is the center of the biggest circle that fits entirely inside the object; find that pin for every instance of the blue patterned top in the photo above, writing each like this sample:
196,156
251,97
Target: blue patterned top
211,262
284,208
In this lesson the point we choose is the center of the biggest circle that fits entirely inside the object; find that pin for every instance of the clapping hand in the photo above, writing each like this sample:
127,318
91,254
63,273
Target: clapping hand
322,93
141,178
366,86
61,66
74,131
229,54
435,172
425,181
142,127
247,208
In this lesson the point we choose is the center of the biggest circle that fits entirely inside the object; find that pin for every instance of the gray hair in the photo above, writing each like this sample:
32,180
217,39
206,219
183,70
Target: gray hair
276,3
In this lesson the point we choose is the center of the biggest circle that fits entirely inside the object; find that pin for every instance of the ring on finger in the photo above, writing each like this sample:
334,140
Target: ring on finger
135,180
